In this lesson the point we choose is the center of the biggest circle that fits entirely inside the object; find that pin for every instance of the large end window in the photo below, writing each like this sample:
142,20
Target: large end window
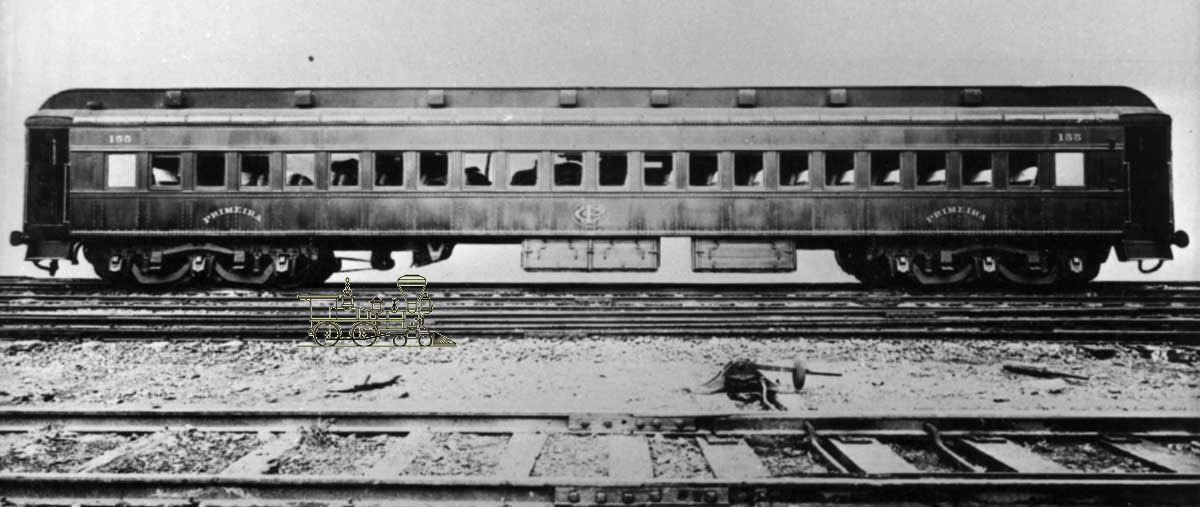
523,168
931,168
614,169
300,169
210,169
255,170
1022,168
165,170
435,166
389,169
657,168
977,169
568,169
885,168
793,169
343,169
839,168
122,170
1068,169
702,169
478,167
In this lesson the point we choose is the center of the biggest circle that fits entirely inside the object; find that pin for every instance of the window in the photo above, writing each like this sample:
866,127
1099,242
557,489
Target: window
747,168
702,169
343,169
122,170
1068,169
977,168
478,167
568,169
256,170
931,168
1022,168
389,169
210,169
656,169
793,169
523,169
165,170
839,168
300,169
614,169
885,168
435,166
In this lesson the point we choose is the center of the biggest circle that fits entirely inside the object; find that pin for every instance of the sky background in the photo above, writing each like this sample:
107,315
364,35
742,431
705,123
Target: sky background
47,46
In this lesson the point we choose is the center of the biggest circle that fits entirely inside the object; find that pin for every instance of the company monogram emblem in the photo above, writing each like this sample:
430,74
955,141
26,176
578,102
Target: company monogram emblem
401,320
589,214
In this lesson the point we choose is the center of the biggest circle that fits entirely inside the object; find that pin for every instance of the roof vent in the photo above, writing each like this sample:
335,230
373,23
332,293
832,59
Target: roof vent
94,104
747,97
837,97
567,98
972,97
173,98
660,98
435,98
304,98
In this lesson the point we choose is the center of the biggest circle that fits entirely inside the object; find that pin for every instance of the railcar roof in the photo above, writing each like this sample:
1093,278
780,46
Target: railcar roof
605,116
593,97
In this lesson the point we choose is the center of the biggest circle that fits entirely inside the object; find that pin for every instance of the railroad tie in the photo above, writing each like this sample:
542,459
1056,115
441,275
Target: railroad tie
731,458
520,454
400,453
1158,455
259,461
629,457
871,456
1013,456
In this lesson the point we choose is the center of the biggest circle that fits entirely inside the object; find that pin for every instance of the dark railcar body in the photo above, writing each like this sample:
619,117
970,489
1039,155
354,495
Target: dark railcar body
1115,192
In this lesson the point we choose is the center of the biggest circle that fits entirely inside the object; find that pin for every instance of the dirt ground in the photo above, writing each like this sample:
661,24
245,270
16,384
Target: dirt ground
605,374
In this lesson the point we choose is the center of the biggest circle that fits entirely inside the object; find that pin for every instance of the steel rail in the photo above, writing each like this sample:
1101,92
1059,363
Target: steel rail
873,475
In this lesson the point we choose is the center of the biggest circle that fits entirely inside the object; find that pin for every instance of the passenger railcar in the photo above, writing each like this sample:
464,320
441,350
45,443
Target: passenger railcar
933,185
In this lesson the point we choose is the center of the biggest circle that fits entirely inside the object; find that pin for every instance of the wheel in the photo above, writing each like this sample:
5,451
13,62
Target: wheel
326,334
253,272
364,334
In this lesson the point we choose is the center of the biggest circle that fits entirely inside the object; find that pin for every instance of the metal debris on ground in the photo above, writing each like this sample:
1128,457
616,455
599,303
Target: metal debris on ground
744,381
1038,371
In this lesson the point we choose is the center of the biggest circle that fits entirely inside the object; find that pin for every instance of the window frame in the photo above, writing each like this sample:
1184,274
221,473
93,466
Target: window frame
674,183
629,177
137,170
448,185
362,183
962,170
899,185
583,171
183,180
406,178
718,172
809,163
1083,179
854,170
195,173
764,172
272,171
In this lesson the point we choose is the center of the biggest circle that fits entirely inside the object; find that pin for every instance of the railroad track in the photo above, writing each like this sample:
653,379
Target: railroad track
52,457
1112,311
